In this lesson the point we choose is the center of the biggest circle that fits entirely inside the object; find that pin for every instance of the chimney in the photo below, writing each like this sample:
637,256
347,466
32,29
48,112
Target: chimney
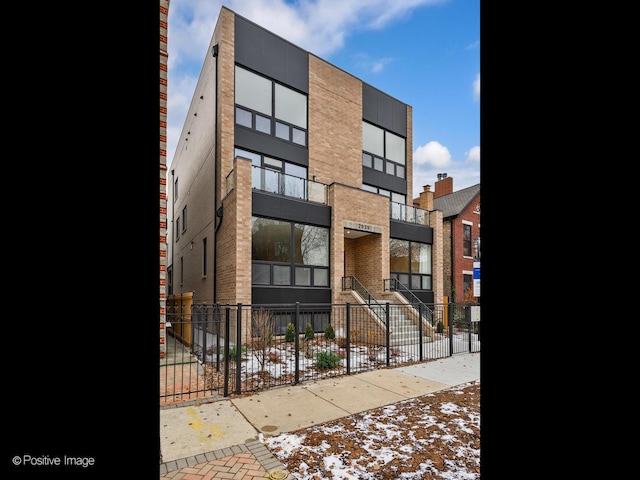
444,186
425,201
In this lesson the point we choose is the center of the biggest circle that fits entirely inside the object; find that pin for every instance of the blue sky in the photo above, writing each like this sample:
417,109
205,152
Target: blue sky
425,53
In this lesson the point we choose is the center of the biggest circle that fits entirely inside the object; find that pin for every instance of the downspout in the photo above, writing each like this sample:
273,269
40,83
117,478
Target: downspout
218,211
173,226
453,262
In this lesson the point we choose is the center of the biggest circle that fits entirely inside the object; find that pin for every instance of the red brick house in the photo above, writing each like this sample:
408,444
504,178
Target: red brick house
461,233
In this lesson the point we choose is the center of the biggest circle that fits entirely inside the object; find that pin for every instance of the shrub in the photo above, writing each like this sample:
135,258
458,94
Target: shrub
327,360
329,332
309,334
233,351
440,327
290,334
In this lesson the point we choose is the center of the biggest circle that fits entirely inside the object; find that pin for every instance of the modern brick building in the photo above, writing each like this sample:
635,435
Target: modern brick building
292,179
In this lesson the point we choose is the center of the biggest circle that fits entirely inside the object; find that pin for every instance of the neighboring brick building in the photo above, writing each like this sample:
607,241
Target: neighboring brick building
290,176
461,232
164,12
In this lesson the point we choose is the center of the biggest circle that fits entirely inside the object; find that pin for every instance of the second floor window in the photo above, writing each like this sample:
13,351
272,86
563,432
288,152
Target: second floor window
269,107
383,151
466,240
184,219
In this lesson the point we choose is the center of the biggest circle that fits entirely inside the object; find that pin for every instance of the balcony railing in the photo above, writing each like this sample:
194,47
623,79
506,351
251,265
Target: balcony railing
280,183
408,213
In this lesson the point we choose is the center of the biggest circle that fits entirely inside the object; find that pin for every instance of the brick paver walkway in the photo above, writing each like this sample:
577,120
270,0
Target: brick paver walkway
249,461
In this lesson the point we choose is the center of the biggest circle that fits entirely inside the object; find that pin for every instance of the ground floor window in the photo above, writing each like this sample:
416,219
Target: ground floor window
289,253
410,263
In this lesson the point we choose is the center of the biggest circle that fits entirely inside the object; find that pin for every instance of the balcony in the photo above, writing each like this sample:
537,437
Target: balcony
273,181
408,213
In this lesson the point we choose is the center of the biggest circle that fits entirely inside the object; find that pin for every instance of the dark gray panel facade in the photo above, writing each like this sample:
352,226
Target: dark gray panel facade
266,53
383,180
274,206
266,295
384,110
411,231
259,142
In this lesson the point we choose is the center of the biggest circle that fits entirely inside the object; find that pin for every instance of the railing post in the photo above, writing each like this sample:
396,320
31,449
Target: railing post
217,320
348,327
227,361
239,349
450,322
388,323
296,322
205,324
467,314
420,333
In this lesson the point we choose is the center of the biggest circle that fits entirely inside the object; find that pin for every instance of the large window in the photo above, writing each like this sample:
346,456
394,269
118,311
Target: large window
410,263
275,175
383,151
269,107
286,253
466,240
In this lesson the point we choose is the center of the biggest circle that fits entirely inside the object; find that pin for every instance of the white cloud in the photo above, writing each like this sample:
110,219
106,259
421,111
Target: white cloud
476,88
473,155
364,62
433,158
432,154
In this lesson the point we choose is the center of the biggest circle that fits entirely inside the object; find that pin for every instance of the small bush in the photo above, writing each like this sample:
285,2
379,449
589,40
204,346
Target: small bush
329,332
327,360
233,351
290,334
309,334
440,327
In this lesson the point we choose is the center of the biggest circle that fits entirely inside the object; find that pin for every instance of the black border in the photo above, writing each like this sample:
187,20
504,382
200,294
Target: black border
83,247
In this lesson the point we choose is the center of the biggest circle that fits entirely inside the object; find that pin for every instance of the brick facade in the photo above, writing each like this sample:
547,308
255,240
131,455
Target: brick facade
164,12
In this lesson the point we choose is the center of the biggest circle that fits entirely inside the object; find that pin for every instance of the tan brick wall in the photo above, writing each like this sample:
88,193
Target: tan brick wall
437,256
224,37
409,147
355,205
234,242
335,124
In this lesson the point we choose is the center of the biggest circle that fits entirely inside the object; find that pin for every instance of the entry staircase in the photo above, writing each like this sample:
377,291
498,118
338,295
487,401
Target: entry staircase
403,330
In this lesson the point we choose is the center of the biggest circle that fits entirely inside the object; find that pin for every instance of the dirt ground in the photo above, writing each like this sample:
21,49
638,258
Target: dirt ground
435,436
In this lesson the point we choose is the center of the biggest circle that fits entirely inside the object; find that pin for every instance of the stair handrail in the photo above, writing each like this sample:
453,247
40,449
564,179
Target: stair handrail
397,286
368,298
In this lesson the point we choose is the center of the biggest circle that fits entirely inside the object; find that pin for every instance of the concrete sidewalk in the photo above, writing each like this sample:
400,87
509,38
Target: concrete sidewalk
197,434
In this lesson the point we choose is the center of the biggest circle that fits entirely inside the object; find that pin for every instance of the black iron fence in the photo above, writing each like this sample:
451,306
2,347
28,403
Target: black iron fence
221,350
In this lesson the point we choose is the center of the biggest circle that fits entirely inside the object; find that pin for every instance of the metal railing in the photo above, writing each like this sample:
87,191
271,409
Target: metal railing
273,181
408,213
352,283
394,285
234,349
